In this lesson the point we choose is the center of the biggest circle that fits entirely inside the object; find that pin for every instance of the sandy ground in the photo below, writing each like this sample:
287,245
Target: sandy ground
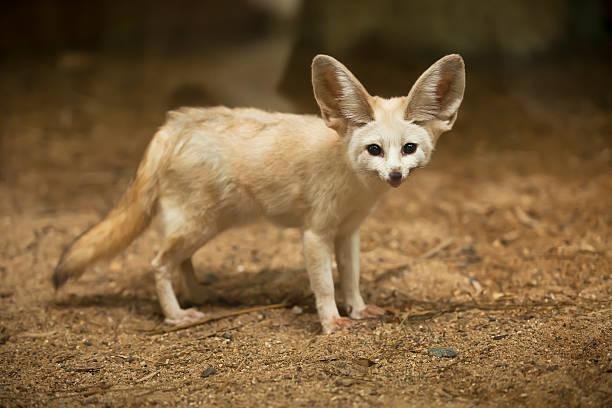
499,250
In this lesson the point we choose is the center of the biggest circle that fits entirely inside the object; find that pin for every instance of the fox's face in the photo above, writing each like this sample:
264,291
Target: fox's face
387,138
389,146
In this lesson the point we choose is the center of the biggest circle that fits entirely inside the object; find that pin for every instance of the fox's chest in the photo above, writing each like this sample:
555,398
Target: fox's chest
326,216
295,207
351,220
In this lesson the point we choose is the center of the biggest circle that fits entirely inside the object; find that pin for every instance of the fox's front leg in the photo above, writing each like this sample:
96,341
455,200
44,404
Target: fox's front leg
318,253
347,258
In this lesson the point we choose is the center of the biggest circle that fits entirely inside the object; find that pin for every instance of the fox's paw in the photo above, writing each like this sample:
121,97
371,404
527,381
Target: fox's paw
368,312
335,324
184,316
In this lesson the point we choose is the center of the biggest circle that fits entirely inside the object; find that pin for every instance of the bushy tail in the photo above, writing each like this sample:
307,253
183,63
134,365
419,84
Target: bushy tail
120,227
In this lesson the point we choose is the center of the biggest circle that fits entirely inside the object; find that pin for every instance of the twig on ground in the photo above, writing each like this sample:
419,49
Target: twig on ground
219,316
83,369
399,271
525,218
152,390
479,306
103,388
392,273
440,247
35,335
16,397
147,377
83,391
134,357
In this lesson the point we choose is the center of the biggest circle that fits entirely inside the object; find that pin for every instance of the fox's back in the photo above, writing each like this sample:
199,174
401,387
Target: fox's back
276,164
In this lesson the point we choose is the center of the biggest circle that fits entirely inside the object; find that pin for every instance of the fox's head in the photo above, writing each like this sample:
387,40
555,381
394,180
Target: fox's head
389,137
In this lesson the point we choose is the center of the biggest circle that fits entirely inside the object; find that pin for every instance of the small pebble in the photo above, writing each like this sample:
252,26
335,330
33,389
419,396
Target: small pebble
227,336
365,362
345,382
208,372
443,352
499,336
297,310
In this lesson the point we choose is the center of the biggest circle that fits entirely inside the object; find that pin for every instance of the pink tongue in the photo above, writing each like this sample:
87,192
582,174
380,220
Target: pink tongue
395,183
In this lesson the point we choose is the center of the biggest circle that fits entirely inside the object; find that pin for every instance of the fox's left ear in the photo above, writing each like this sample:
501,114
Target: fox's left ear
341,97
435,98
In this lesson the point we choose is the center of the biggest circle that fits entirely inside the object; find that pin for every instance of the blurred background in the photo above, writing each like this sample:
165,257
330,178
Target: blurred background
105,71
75,76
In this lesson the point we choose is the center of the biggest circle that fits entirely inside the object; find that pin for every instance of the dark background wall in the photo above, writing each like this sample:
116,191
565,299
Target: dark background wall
34,27
492,34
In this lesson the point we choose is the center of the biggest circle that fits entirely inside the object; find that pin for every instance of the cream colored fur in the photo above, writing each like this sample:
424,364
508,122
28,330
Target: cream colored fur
210,169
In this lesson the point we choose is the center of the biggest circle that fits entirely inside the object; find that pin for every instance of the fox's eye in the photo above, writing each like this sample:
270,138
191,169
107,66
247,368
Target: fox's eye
374,150
409,148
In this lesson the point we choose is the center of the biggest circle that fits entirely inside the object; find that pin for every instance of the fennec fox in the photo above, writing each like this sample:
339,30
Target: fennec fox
209,169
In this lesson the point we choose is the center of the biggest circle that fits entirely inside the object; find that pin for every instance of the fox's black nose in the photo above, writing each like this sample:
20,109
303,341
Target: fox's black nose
395,176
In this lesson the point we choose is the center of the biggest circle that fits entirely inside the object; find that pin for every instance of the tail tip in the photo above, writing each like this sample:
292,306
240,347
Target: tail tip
60,277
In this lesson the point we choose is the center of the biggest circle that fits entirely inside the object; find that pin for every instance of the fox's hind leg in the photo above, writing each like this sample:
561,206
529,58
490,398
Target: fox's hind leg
167,299
193,291
176,253
184,235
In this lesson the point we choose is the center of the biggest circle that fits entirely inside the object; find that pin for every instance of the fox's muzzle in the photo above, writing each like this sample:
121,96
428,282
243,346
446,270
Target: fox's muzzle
395,179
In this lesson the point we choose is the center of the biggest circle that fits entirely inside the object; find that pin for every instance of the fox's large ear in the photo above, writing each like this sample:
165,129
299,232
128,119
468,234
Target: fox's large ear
341,97
435,98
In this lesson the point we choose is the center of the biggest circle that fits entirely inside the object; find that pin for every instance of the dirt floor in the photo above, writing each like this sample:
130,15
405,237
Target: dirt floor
499,250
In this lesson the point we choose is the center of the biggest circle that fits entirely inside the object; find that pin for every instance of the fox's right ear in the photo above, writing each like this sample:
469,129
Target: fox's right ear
435,98
341,97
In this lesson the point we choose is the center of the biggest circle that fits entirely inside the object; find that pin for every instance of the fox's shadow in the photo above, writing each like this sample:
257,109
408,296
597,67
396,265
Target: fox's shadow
222,289
225,289
267,286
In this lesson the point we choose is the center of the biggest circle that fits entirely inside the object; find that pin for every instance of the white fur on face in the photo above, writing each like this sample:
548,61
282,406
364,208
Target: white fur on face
391,132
